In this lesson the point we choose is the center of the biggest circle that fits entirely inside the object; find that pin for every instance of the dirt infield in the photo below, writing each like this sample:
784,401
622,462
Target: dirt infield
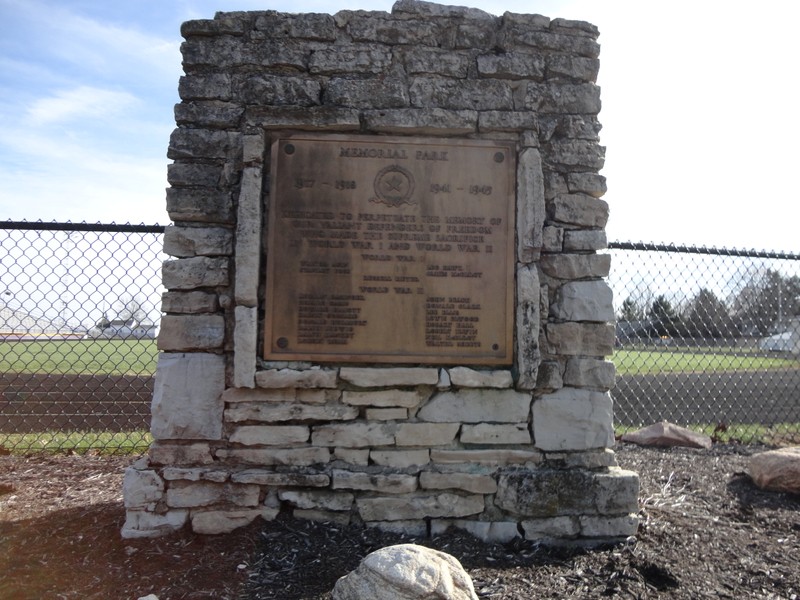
31,403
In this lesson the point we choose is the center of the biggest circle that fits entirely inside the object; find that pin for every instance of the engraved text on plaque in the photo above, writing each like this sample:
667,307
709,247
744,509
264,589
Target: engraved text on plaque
390,249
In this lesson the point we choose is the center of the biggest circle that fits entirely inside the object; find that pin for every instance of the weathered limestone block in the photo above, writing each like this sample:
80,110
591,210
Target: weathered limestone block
245,338
469,482
419,506
199,143
261,477
366,93
212,86
577,127
550,376
187,397
212,114
267,413
180,333
434,61
560,98
189,302
477,406
776,470
248,237
487,433
573,419
141,488
195,474
406,572
317,118
433,9
575,67
270,435
353,456
426,434
195,272
584,459
589,183
587,339
146,524
470,378
197,241
493,532
415,527
357,58
275,90
277,395
486,457
668,434
585,240
165,453
589,373
323,499
421,121
551,527
463,94
298,457
530,205
311,26
528,355
384,398
394,483
290,378
379,29
386,414
354,435
204,205
579,209
512,65
577,154
400,459
515,35
185,494
215,522
389,377
584,301
546,493
507,121
607,527
576,266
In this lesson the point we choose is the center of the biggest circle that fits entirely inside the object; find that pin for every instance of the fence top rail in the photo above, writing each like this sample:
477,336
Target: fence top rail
54,226
650,247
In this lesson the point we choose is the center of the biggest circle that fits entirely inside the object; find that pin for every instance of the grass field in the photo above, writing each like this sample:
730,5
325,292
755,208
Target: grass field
80,357
77,442
646,362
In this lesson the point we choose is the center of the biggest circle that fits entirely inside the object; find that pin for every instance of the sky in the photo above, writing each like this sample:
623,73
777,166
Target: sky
699,110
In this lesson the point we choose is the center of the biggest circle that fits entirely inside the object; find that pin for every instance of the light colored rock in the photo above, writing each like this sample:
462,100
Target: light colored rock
580,339
530,205
141,489
394,483
584,301
667,434
181,333
353,435
470,378
607,527
318,499
290,378
270,435
270,413
477,406
383,398
166,453
486,457
146,524
215,522
248,236
584,240
590,373
469,482
573,419
195,474
444,380
189,302
553,527
197,241
400,376
386,414
419,506
488,433
185,494
293,395
354,456
406,572
195,272
576,266
187,397
426,434
400,459
299,457
260,477
245,337
776,470
528,322
580,209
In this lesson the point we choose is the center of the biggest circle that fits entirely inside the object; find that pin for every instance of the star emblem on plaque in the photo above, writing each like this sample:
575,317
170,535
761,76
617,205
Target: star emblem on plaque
394,185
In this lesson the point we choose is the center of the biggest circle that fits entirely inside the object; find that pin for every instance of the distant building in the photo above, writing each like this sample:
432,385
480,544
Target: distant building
122,329
17,325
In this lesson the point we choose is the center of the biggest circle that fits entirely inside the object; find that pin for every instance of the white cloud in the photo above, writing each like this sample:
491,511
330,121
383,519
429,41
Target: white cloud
80,102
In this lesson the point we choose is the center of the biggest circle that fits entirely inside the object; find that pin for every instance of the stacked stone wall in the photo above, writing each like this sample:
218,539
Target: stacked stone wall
519,451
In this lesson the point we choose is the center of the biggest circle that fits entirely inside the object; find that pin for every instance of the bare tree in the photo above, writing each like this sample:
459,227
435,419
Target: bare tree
130,308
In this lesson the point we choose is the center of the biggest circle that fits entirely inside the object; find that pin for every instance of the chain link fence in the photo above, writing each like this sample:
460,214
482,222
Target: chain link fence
79,314
706,338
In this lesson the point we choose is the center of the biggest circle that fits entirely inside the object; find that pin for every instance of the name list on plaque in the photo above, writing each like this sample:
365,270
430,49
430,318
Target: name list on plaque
390,250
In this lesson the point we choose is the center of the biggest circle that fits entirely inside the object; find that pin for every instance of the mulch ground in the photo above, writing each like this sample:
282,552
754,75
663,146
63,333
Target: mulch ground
706,532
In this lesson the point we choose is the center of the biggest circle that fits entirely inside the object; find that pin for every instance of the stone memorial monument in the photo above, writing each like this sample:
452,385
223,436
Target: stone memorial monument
386,304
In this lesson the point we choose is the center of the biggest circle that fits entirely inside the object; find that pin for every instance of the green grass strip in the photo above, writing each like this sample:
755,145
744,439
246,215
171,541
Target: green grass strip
77,442
648,362
80,357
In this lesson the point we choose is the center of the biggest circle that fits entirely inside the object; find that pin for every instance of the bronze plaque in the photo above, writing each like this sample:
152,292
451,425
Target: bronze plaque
390,249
